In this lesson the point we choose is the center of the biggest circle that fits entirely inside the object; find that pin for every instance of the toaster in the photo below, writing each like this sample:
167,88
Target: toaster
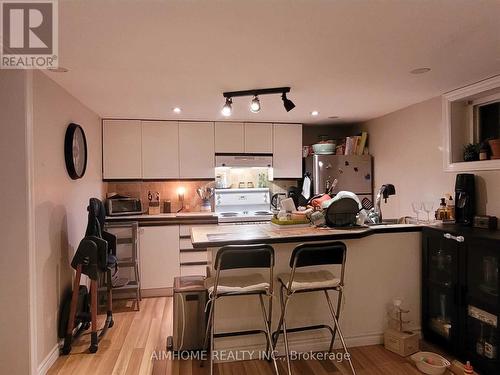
123,206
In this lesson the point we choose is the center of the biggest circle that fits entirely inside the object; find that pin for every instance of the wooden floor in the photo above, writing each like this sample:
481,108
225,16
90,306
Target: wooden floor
128,346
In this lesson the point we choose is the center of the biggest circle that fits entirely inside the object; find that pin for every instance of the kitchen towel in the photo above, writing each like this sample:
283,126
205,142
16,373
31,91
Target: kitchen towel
306,187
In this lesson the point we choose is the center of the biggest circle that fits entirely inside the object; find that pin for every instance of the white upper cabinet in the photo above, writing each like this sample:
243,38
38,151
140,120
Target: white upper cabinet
196,149
122,145
229,137
160,149
287,150
259,138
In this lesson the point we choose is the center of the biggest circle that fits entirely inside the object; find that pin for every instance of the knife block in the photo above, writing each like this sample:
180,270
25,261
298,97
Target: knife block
154,208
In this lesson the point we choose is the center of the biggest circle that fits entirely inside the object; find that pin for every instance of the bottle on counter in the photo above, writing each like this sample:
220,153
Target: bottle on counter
441,212
450,205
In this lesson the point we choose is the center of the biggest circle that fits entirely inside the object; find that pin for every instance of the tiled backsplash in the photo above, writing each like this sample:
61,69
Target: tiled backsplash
168,191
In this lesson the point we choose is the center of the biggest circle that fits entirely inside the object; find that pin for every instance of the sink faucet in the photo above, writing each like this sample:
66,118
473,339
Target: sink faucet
376,212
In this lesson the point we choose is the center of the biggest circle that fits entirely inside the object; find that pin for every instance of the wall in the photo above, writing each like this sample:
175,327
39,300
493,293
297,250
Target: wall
407,149
312,133
60,203
14,224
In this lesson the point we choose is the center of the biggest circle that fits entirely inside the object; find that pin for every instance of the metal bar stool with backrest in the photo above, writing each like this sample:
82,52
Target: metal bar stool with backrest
241,257
310,255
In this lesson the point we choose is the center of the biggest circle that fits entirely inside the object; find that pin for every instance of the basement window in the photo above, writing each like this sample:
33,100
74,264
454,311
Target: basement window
487,119
471,120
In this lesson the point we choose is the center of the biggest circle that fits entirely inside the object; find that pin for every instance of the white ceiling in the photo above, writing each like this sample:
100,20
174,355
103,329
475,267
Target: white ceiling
139,59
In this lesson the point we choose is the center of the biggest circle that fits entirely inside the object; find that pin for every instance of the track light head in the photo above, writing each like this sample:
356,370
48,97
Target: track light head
227,108
287,103
255,104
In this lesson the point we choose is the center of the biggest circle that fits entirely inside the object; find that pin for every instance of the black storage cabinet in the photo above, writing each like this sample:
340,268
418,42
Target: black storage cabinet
460,293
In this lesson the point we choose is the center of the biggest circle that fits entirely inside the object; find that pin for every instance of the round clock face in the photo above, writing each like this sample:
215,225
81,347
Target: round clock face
79,151
75,151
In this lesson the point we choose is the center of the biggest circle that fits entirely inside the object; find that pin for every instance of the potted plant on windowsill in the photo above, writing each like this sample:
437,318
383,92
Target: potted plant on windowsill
471,152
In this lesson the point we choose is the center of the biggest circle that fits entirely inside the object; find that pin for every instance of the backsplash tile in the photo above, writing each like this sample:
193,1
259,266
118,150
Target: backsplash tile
168,191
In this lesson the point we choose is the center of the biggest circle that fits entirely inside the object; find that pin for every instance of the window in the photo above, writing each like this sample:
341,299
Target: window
487,119
471,118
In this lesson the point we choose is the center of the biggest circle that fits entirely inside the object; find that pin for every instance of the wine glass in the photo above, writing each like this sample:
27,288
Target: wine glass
428,207
417,207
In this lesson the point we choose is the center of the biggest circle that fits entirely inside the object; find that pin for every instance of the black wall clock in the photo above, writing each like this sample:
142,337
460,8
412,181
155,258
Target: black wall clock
75,151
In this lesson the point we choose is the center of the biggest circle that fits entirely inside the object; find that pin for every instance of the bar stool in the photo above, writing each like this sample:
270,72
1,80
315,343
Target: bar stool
307,255
241,257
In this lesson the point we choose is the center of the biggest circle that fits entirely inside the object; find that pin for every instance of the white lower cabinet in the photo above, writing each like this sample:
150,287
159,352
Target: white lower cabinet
159,256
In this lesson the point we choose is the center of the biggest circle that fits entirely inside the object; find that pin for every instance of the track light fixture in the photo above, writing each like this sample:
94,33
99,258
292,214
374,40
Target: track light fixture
287,103
227,108
255,103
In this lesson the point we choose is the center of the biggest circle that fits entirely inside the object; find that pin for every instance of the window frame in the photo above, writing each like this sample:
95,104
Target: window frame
473,93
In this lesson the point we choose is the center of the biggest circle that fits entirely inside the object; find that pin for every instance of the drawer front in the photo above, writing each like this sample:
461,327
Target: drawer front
185,244
194,270
193,256
185,231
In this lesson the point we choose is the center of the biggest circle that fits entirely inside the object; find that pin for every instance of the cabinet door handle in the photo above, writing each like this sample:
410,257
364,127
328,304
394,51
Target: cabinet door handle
452,237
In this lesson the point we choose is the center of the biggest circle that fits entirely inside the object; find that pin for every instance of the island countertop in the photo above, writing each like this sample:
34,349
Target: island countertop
245,234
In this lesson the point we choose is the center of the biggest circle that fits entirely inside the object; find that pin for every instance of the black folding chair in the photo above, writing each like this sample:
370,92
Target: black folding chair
296,282
241,257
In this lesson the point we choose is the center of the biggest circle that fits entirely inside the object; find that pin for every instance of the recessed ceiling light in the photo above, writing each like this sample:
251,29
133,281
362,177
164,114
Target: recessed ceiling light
420,70
314,113
58,70
177,110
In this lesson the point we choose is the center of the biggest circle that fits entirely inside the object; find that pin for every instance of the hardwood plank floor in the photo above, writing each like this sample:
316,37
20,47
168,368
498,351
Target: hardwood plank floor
127,349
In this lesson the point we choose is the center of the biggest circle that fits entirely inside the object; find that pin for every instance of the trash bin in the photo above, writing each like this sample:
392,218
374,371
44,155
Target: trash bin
190,298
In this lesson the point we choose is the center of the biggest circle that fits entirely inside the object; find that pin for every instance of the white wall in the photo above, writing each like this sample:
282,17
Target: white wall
60,203
407,150
14,266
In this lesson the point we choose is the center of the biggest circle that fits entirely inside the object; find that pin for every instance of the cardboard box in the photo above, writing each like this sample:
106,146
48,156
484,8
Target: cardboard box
403,343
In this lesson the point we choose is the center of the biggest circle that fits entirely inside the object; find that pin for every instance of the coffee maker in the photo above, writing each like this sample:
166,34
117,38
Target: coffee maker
465,199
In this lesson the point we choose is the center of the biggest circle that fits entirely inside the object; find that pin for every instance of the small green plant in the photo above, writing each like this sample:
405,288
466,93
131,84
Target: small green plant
471,152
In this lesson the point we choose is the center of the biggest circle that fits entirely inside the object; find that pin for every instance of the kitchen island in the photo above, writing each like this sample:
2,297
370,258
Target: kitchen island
383,263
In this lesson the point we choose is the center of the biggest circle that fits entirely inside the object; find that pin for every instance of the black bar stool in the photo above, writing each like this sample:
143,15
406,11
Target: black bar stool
234,257
307,255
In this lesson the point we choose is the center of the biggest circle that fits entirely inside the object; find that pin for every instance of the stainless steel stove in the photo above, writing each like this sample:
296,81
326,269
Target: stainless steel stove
243,205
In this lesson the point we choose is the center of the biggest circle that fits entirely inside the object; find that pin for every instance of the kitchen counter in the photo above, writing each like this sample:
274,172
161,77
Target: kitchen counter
383,263
221,235
187,218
